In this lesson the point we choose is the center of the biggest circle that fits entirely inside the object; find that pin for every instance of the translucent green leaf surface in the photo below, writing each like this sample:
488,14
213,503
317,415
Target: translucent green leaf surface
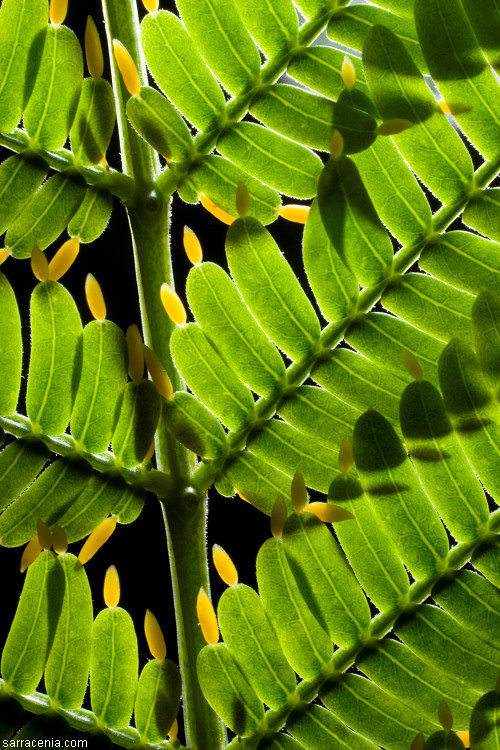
68,663
270,23
484,734
258,481
99,497
472,601
20,462
113,667
194,426
160,124
486,335
320,68
90,221
11,348
55,341
19,180
317,728
135,429
102,380
94,121
270,288
484,17
483,213
54,99
157,701
130,503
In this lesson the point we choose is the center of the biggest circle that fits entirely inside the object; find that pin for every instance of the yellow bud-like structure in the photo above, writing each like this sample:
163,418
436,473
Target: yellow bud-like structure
135,349
111,587
329,513
158,373
4,254
174,730
95,299
412,365
242,200
216,210
154,637
207,618
127,68
57,12
95,541
39,264
59,540
346,455
279,515
243,498
348,73
151,5
444,107
31,552
64,259
93,50
394,127
224,565
173,305
294,212
192,246
336,144
44,535
464,736
299,492
149,455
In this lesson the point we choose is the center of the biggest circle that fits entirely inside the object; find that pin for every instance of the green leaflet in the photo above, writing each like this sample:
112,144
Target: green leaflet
484,733
55,341
319,729
484,18
304,642
290,451
378,569
157,701
437,638
20,25
334,286
91,507
370,711
219,33
46,216
19,180
91,219
252,641
68,663
402,508
325,579
440,462
472,601
401,7
210,378
218,178
430,305
320,68
417,683
394,191
102,380
227,323
20,462
290,168
311,8
11,348
460,71
31,634
271,23
113,667
317,413
486,559
475,418
270,288
464,260
94,121
278,742
486,335
136,426
130,504
258,482
160,124
351,222
399,91
179,70
190,422
227,690
47,498
384,339
483,213
53,102
352,25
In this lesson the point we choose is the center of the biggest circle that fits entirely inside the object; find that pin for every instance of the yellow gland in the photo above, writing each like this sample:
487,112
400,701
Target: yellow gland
59,540
464,736
242,200
111,587
445,716
329,513
149,455
39,264
336,144
158,373
173,305
444,107
348,73
64,259
207,618
174,730
4,254
346,456
44,535
93,50
31,552
95,299
294,212
299,492
154,637
279,515
224,565
215,210
135,349
95,541
412,365
243,498
192,246
151,5
127,68
393,127
57,12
